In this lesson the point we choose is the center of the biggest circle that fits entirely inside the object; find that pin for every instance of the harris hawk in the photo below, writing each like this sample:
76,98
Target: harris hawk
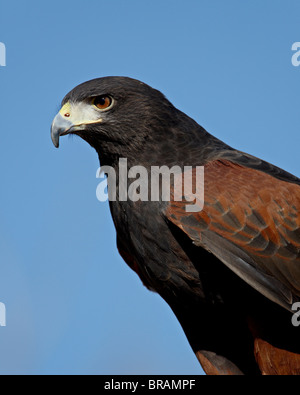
231,271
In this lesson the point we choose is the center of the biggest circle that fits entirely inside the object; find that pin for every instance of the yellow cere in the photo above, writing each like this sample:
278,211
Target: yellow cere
66,109
81,113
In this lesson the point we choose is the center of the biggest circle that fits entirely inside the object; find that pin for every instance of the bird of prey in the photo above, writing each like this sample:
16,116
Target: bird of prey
231,271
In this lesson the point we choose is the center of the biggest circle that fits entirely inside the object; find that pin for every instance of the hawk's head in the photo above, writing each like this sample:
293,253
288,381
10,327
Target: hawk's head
112,113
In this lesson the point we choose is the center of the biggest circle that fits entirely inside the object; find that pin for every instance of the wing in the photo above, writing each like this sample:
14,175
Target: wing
251,222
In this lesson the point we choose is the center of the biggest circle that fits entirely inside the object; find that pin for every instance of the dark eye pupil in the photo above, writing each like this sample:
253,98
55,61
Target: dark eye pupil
102,102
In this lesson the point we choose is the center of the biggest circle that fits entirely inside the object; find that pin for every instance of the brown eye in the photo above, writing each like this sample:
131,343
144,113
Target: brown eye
102,102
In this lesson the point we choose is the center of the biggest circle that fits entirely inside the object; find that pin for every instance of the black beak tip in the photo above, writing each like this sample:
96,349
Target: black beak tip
55,139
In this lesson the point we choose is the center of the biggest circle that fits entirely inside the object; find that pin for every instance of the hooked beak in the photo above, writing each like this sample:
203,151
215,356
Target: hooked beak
61,126
73,117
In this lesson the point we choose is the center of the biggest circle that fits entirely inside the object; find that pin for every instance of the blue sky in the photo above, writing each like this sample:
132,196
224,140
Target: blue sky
73,306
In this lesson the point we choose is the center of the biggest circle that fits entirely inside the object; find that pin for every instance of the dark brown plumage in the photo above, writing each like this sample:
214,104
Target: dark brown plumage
231,272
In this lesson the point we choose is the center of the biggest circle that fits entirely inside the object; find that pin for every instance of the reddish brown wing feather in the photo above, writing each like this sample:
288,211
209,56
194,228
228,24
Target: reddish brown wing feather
261,216
252,210
274,361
